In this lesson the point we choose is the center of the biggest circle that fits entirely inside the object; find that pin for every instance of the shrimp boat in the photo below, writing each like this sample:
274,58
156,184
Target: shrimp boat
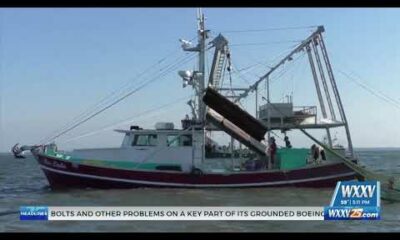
187,157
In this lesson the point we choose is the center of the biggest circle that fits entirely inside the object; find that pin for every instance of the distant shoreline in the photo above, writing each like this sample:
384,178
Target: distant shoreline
377,148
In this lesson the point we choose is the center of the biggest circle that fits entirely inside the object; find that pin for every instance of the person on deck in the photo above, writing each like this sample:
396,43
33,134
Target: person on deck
322,153
315,151
272,150
287,142
265,158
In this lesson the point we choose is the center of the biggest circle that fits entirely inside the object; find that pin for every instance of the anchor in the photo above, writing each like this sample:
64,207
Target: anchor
20,151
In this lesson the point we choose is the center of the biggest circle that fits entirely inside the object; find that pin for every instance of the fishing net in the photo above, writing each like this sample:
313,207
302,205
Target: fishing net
390,185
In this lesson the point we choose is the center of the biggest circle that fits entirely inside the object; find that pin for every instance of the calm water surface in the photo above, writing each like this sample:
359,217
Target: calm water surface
23,183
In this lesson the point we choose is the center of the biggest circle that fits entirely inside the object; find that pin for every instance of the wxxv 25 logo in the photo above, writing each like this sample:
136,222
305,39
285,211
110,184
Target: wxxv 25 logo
355,200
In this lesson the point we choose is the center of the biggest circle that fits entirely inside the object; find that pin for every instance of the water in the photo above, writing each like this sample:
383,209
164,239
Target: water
23,183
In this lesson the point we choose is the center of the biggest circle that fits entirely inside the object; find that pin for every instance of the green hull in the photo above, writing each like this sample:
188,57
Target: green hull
107,163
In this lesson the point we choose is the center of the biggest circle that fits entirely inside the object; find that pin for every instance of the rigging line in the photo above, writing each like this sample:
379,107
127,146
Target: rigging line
134,80
107,107
98,104
247,68
278,57
240,74
177,59
186,59
257,62
293,73
284,71
207,66
95,106
231,86
122,98
369,90
377,90
298,73
230,83
223,74
264,43
365,87
363,82
283,53
128,120
161,74
269,29
291,67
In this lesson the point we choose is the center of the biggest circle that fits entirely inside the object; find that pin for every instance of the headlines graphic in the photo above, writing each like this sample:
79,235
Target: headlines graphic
33,213
355,200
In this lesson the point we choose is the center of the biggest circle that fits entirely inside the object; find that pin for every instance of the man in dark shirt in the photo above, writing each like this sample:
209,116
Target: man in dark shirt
272,150
287,142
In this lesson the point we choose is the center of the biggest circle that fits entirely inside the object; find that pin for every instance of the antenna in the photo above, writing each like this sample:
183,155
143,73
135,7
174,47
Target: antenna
199,17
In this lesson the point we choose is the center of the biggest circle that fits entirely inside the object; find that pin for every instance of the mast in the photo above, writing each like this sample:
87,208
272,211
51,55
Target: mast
197,80
202,35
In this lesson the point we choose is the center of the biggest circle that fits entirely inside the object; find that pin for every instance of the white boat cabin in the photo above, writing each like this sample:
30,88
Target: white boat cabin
163,145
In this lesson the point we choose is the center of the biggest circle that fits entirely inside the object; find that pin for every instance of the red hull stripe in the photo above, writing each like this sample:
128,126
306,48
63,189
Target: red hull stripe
140,182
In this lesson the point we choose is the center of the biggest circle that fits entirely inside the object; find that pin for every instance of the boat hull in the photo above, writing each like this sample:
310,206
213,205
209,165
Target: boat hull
66,174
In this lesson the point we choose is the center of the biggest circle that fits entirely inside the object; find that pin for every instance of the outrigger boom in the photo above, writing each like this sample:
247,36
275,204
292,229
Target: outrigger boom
312,42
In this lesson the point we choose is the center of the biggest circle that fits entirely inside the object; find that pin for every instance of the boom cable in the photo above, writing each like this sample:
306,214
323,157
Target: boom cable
128,120
368,89
120,89
265,43
379,94
269,29
144,84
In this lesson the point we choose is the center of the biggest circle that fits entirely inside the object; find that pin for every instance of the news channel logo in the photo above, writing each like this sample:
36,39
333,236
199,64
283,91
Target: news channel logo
354,200
33,213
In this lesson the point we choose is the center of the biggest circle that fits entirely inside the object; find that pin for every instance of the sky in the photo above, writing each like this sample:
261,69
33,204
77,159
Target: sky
55,63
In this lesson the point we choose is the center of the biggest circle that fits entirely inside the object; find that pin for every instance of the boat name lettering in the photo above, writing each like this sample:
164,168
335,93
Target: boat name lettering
55,164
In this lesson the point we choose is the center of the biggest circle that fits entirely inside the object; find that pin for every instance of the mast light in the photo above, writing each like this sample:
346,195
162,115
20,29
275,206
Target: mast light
187,77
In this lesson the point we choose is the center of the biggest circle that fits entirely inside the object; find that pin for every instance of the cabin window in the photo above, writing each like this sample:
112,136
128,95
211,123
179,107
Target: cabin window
186,140
179,140
145,140
173,141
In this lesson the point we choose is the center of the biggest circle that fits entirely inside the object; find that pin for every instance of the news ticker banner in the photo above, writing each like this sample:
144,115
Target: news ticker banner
352,200
79,213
